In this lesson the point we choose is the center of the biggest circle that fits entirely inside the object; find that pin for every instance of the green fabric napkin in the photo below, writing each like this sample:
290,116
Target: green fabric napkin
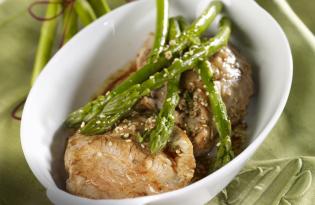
288,151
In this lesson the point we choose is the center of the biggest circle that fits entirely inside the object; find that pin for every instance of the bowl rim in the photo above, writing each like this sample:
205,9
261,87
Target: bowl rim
248,151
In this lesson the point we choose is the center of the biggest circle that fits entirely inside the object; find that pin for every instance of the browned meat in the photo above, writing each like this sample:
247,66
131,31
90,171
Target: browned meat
107,166
153,102
233,79
115,165
146,103
197,118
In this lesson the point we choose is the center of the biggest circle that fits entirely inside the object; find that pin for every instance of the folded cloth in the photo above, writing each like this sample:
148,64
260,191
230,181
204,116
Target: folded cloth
278,181
288,145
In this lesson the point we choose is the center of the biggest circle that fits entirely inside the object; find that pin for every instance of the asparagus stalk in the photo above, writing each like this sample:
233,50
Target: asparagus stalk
70,26
120,104
224,147
182,23
161,29
174,30
160,135
84,11
182,42
179,45
100,7
46,40
86,111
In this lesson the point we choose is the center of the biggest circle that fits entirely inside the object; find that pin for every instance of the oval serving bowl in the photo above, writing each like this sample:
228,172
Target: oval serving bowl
79,69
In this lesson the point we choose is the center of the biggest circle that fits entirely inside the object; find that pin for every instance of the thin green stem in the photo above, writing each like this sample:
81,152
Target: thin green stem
161,29
224,148
165,121
100,7
70,24
183,24
46,40
84,11
174,29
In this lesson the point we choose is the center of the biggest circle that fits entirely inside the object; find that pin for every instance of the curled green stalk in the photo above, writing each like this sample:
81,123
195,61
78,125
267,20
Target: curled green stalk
224,147
85,12
165,121
121,104
46,40
164,60
70,24
100,7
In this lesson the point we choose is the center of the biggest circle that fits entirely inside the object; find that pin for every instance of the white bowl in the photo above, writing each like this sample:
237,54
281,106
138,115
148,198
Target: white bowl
80,67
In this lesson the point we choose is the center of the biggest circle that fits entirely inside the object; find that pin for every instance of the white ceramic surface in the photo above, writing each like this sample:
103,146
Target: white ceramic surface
80,67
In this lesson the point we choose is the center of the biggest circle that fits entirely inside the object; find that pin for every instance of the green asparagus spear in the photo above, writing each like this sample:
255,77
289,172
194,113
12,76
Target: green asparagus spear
120,104
161,29
165,121
221,119
70,24
46,40
182,23
180,44
84,11
174,29
100,7
86,111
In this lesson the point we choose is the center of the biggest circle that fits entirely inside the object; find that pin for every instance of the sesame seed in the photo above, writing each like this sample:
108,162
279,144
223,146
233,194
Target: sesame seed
110,143
126,135
82,124
168,55
172,42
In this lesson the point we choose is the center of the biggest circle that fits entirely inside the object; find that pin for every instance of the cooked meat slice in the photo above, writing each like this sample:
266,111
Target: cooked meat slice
233,78
146,103
159,96
197,119
106,166
153,102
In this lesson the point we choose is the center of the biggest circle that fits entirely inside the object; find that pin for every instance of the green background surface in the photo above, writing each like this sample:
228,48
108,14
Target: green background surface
292,137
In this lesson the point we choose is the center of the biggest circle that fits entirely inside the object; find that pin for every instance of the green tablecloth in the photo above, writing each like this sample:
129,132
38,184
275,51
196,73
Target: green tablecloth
292,138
